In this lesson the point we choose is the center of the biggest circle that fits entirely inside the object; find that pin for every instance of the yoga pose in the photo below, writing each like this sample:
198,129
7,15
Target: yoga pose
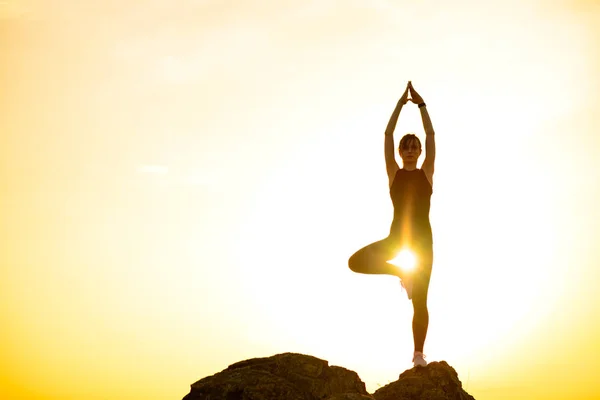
410,232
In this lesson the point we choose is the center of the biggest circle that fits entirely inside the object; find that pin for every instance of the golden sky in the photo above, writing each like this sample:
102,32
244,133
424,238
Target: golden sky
184,181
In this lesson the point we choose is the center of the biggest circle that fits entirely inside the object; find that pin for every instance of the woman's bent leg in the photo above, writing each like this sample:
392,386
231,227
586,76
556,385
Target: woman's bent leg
373,258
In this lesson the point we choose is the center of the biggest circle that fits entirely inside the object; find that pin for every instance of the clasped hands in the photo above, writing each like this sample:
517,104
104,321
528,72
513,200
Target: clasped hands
414,96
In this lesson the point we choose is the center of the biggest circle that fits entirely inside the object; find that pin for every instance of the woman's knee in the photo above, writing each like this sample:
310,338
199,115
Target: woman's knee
354,262
421,314
419,301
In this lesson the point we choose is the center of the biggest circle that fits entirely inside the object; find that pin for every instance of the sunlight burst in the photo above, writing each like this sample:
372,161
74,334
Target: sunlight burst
405,259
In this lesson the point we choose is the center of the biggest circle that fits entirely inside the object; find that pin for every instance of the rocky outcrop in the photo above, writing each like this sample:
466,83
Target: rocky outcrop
436,381
283,376
291,376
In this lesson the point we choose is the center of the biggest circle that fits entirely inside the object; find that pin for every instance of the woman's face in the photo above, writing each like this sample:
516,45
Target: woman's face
410,151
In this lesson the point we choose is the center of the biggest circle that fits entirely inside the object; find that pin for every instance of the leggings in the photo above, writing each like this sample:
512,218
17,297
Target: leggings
372,259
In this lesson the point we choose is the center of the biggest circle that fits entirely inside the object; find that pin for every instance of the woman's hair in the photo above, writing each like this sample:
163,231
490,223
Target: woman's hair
407,140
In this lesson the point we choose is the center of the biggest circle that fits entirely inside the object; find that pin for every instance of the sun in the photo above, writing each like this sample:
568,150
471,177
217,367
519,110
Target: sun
405,260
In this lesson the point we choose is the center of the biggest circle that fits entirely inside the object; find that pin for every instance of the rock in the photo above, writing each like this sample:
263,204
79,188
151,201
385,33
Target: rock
286,376
436,381
291,376
350,396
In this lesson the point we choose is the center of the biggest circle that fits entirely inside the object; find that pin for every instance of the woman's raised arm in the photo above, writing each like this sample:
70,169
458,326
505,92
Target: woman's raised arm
391,165
429,162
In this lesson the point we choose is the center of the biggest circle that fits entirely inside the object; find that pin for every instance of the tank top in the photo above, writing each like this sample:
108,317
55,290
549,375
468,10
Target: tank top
411,195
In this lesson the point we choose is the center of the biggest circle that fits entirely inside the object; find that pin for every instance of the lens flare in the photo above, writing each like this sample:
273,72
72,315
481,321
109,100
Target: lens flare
405,259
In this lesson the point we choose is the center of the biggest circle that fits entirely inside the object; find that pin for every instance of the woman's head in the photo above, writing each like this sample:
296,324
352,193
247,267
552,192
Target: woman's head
409,148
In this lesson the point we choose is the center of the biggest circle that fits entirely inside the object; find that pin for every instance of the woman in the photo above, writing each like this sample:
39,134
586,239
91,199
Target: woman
410,191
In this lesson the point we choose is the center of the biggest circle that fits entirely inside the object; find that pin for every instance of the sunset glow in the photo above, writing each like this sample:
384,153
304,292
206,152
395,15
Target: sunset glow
184,181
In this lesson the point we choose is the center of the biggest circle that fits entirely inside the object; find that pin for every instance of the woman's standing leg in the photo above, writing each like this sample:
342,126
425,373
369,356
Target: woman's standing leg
420,321
373,258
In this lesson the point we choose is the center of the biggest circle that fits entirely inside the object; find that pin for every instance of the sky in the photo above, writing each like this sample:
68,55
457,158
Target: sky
182,183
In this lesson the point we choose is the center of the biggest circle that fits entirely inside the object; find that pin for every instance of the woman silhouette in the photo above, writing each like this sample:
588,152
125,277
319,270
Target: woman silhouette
410,191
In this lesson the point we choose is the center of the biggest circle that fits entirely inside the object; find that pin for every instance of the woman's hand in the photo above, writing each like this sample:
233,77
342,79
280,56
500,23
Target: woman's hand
415,97
404,99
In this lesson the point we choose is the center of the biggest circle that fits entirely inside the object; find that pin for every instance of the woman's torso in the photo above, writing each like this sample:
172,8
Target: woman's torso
411,194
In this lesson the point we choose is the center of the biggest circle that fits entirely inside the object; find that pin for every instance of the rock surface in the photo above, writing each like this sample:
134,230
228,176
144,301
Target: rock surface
291,376
436,381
